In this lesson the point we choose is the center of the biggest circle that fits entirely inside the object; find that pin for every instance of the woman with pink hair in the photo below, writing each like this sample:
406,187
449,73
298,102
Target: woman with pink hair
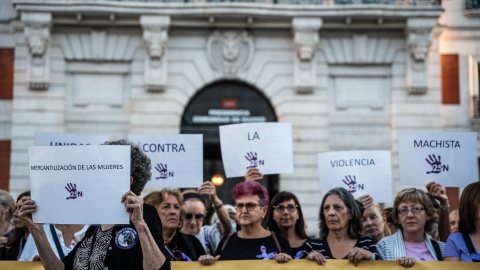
252,241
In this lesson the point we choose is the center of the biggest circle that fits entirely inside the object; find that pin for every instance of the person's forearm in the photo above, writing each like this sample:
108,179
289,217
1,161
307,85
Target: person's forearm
225,224
443,225
153,258
49,259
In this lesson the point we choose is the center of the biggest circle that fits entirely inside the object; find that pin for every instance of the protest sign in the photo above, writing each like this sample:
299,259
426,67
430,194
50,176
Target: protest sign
63,139
80,184
266,146
360,172
177,160
448,158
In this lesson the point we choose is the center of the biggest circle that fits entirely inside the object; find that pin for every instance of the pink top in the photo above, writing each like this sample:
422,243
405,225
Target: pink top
419,251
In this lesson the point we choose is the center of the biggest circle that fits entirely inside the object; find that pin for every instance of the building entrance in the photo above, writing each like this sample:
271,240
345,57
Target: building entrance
223,103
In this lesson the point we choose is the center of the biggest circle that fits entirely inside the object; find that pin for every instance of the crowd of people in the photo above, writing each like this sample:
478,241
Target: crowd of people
170,225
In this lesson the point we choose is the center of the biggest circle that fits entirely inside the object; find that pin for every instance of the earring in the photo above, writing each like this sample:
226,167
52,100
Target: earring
180,224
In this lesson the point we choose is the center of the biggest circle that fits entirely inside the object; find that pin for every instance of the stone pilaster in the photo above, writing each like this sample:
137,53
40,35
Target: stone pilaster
305,40
419,39
155,35
37,34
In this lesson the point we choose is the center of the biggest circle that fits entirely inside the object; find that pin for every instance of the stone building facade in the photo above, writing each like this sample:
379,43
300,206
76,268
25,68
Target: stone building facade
348,75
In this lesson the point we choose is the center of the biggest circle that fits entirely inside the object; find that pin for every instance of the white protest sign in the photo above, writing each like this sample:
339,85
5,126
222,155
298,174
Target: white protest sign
266,146
360,172
79,184
62,139
448,158
177,160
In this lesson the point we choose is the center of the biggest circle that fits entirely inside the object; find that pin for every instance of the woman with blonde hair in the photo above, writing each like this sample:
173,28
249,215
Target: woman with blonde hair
169,205
413,211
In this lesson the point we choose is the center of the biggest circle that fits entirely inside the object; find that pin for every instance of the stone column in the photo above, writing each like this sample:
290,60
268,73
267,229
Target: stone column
155,36
419,39
37,33
305,42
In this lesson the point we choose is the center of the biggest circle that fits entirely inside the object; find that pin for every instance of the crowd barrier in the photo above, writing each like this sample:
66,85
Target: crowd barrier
292,265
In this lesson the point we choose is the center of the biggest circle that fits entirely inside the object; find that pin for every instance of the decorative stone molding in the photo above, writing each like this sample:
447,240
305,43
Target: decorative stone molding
155,35
305,40
37,34
230,52
419,39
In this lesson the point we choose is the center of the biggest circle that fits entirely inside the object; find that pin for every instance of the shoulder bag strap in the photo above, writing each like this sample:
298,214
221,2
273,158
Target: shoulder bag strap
436,247
469,244
57,243
226,241
276,242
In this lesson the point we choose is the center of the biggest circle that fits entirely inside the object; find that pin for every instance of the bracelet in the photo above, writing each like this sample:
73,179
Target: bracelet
445,207
373,257
218,206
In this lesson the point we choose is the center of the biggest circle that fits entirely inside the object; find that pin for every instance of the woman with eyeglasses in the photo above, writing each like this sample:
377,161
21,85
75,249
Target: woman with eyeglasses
464,245
169,205
209,236
252,241
285,216
340,231
413,212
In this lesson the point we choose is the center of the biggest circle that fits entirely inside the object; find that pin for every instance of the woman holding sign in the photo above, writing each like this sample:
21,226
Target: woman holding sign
252,242
340,231
138,245
465,245
413,211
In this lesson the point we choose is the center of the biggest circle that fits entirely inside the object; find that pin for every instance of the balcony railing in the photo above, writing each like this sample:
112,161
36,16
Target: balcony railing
309,2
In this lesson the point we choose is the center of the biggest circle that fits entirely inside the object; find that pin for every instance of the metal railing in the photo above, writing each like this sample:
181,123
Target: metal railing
311,2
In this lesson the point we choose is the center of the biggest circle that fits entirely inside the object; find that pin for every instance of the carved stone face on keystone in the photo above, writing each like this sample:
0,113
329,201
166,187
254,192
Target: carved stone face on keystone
419,51
230,46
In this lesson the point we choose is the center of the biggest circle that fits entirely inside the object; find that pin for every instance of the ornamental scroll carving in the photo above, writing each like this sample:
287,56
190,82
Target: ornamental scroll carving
230,52
419,39
155,36
37,35
305,39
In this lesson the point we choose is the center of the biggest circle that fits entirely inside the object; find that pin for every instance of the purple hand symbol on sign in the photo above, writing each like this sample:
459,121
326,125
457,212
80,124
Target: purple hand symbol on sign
351,182
252,157
162,169
436,164
72,189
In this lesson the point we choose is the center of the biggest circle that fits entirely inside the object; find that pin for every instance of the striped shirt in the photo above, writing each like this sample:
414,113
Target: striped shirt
393,247
321,245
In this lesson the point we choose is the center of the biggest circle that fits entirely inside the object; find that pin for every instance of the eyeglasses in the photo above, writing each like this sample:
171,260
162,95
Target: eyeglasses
290,208
414,210
189,216
250,206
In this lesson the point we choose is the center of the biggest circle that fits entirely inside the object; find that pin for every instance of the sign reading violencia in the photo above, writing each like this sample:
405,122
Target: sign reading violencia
177,160
79,184
448,158
360,172
266,146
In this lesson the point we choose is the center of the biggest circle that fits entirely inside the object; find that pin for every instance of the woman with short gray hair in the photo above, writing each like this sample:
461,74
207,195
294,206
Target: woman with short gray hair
340,231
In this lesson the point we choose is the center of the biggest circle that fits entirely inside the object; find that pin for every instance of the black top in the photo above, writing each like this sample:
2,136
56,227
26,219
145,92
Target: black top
321,245
189,246
298,251
252,249
124,253
12,253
